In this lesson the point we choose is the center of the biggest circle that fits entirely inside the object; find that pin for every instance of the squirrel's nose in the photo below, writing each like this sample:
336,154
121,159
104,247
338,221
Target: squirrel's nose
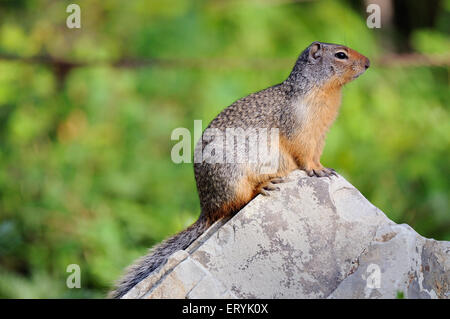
367,64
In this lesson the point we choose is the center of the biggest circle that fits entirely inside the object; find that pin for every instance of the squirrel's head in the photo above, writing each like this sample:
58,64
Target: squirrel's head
321,63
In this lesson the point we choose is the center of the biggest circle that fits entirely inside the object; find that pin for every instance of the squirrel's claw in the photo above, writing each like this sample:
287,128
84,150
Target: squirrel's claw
323,172
279,180
332,172
270,186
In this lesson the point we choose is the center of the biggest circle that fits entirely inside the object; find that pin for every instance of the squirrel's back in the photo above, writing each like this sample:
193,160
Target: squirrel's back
260,109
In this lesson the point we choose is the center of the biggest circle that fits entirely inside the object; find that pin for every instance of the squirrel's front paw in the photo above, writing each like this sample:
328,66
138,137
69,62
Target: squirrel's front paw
321,172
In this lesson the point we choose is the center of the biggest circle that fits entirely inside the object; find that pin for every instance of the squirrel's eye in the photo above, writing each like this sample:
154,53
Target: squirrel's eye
341,55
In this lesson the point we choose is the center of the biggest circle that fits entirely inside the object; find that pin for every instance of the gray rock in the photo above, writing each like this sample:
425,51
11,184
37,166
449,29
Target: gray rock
315,238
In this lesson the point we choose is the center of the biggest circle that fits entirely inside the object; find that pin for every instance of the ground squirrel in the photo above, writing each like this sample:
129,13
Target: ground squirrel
302,108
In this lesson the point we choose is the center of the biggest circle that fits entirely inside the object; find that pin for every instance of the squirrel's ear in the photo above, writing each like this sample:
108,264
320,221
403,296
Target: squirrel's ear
315,51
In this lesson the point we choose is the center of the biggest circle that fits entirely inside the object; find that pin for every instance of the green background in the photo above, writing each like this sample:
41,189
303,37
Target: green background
86,117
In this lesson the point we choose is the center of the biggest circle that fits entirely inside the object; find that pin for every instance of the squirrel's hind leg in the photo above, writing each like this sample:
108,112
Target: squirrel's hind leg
223,189
270,185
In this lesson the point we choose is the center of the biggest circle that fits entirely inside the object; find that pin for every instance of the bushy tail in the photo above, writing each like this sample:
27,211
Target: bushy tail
157,257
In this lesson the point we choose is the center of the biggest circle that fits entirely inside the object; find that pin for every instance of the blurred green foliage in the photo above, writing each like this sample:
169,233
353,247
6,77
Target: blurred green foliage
86,175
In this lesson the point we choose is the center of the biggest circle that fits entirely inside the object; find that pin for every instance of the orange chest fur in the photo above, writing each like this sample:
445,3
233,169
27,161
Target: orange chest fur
316,113
322,107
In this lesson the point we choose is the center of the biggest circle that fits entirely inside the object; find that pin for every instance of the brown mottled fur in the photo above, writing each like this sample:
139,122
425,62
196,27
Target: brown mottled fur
302,107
